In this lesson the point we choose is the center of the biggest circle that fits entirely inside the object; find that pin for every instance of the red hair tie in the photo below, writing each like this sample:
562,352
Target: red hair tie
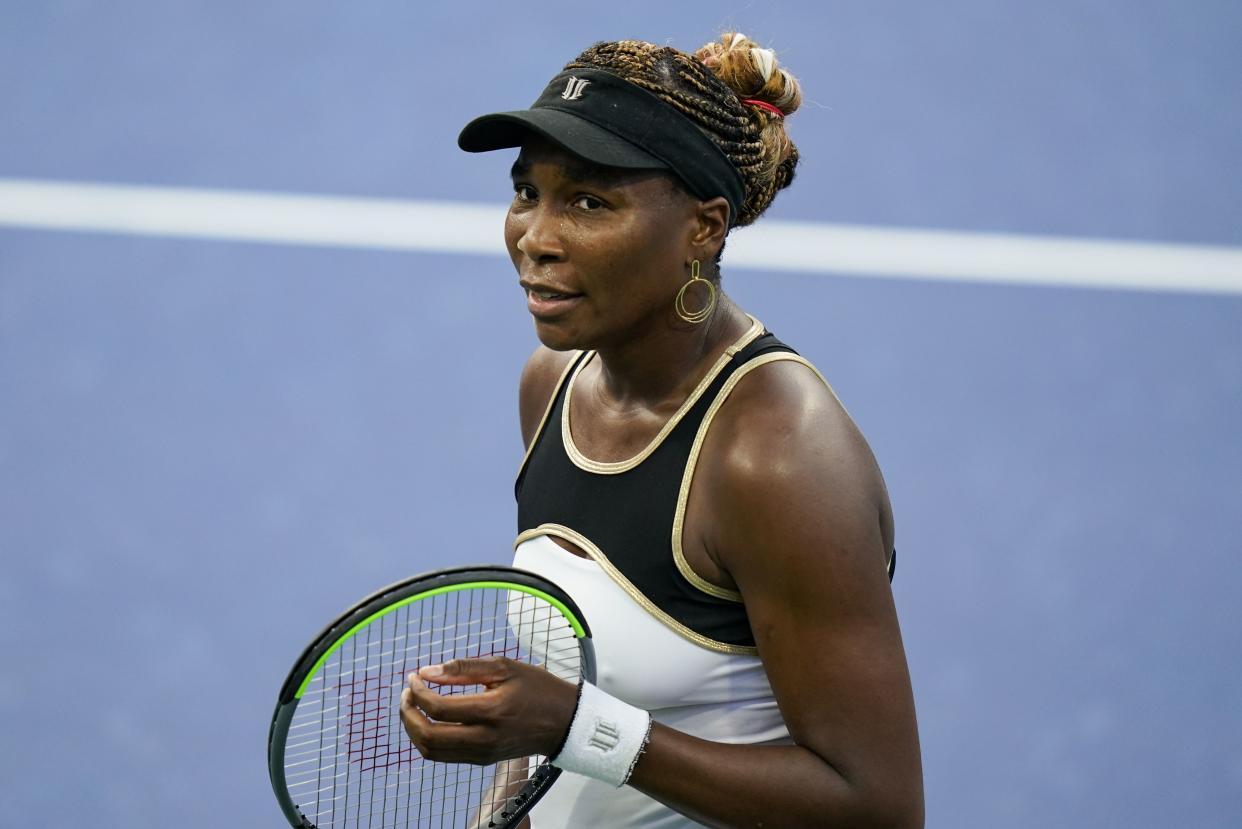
764,105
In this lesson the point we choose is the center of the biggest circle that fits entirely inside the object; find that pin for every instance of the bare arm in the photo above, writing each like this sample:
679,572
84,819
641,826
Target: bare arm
801,524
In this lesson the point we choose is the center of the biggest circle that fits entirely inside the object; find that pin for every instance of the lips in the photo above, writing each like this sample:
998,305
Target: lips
545,301
545,295
545,288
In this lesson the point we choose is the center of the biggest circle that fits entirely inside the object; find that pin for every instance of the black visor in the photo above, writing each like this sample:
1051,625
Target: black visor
607,120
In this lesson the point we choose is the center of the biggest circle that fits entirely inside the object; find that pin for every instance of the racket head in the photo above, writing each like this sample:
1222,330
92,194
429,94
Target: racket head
338,755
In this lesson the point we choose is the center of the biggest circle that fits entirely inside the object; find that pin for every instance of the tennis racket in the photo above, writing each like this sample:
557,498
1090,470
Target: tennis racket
338,755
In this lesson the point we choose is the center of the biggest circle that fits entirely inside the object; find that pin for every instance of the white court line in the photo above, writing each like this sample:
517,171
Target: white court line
462,228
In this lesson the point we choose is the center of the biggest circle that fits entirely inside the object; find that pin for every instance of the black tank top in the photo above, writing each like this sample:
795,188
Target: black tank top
628,515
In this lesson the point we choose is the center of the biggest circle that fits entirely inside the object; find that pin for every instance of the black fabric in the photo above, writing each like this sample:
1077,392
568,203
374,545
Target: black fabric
606,119
629,515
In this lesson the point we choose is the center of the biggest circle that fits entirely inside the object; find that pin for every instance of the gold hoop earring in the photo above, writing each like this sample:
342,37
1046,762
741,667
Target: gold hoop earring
695,317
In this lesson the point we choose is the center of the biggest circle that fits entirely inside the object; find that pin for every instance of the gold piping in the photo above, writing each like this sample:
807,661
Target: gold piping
683,496
547,410
615,467
583,543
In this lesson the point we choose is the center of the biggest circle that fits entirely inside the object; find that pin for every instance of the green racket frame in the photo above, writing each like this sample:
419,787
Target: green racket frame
385,601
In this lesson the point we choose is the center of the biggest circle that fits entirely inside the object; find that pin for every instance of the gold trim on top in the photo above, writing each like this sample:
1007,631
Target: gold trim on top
683,495
595,553
547,410
615,467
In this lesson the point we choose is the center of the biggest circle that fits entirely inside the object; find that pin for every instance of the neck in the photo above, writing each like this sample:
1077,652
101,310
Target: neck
666,364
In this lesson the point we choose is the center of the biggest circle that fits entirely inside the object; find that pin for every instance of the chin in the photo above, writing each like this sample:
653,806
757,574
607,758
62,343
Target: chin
558,337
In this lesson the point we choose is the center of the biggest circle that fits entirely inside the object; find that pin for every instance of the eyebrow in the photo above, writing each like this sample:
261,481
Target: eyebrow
583,171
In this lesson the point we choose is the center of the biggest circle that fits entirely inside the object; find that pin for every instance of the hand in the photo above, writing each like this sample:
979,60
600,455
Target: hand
524,710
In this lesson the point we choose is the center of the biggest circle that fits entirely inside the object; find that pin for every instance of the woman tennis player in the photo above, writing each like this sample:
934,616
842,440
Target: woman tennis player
689,480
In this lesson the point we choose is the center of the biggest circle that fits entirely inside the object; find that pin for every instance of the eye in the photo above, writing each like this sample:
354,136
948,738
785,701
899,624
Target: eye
524,193
588,203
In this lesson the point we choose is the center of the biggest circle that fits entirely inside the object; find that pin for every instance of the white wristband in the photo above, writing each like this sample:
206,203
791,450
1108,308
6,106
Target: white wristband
605,737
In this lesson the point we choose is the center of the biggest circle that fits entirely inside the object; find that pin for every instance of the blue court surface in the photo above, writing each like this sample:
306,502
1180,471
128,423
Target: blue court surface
209,446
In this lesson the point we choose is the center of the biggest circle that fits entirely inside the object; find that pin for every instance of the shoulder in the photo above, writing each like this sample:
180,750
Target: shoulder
785,462
540,377
800,522
784,410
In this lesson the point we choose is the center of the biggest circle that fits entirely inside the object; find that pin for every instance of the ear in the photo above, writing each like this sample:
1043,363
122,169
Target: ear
711,225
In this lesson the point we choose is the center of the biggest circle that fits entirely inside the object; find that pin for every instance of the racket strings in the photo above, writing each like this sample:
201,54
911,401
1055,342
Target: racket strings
568,647
348,761
304,731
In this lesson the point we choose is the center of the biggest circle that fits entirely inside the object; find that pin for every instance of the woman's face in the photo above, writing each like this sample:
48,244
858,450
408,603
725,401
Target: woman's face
600,251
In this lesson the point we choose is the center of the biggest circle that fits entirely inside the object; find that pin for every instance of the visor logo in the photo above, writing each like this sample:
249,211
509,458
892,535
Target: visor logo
573,89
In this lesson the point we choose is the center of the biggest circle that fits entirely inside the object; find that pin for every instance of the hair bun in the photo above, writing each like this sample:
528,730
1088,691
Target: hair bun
751,71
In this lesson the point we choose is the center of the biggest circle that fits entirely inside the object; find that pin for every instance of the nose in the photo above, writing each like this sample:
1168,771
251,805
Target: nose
536,234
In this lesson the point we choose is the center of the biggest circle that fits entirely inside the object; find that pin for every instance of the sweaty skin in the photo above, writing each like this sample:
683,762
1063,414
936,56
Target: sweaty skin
788,507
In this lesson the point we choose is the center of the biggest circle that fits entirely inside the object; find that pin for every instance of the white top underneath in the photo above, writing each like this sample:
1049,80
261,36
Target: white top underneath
715,696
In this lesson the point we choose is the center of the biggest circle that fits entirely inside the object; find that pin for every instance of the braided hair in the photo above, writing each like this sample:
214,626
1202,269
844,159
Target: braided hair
710,87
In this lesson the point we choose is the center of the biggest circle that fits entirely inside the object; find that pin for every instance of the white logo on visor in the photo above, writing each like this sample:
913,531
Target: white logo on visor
573,89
